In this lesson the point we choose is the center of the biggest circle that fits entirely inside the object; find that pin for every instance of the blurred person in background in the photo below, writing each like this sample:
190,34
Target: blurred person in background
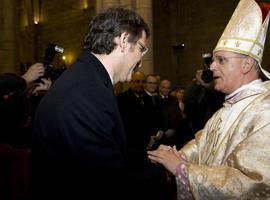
15,109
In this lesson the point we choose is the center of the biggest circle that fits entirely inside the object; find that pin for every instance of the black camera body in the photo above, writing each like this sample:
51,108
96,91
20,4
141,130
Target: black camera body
207,74
49,55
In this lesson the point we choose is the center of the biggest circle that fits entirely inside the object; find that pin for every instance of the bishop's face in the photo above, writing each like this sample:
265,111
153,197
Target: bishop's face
227,72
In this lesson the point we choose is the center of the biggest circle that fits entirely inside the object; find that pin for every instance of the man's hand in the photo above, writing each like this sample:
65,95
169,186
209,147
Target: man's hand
155,138
43,86
167,156
34,72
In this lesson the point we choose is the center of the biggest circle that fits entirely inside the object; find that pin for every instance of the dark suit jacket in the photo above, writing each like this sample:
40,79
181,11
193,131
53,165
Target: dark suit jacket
139,115
78,137
136,123
200,104
152,113
171,113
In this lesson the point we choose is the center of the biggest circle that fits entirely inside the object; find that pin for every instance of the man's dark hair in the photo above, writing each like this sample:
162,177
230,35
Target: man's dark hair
111,23
150,75
14,107
11,83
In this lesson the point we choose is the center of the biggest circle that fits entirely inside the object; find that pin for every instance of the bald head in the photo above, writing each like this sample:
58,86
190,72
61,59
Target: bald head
165,87
137,80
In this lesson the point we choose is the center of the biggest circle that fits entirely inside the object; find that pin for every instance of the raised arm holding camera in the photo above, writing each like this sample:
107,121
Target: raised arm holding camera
201,100
19,97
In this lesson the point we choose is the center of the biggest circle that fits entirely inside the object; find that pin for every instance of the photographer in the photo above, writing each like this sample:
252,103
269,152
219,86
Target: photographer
15,107
37,87
49,54
42,76
200,99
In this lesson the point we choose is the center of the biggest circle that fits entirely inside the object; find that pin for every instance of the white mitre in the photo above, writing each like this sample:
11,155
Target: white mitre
246,32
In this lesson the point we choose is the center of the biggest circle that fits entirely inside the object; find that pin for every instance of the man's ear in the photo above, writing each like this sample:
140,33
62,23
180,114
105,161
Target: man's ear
123,41
248,63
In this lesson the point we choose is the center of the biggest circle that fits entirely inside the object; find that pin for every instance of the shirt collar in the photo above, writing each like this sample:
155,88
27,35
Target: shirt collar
111,78
243,87
148,93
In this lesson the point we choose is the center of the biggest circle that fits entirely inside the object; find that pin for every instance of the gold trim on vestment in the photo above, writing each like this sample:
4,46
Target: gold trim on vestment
244,39
213,154
238,51
261,96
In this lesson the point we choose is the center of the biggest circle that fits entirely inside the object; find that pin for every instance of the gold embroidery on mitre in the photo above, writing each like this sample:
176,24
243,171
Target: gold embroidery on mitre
259,52
237,43
225,42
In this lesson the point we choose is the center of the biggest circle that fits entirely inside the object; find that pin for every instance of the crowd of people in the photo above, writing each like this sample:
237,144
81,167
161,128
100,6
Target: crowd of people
19,95
16,106
151,141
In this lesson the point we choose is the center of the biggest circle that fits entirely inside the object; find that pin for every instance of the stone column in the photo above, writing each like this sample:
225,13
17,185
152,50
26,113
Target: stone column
110,3
98,6
144,8
103,4
8,25
127,4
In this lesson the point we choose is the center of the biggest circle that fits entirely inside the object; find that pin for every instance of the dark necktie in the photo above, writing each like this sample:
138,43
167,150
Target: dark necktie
141,101
153,100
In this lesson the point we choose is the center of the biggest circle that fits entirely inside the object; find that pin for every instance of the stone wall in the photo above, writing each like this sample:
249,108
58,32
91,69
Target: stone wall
197,24
8,39
61,22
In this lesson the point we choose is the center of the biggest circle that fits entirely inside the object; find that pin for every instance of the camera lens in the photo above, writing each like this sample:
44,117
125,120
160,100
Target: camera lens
207,75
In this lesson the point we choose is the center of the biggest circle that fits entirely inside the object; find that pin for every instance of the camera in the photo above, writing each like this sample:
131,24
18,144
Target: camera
207,74
49,55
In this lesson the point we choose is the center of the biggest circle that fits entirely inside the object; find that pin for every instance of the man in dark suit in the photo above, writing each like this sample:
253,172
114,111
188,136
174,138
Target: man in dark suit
79,143
135,111
170,111
151,106
131,106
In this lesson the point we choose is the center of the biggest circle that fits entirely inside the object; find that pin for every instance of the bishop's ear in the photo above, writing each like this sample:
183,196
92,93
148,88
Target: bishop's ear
248,63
